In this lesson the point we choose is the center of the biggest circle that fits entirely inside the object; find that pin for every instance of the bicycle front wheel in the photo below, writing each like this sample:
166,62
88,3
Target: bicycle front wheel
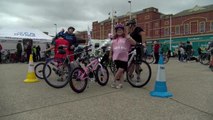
102,75
205,59
59,69
165,59
112,67
138,75
149,59
78,81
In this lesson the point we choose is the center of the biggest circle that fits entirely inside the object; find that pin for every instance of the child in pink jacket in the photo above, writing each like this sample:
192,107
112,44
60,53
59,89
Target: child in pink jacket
120,48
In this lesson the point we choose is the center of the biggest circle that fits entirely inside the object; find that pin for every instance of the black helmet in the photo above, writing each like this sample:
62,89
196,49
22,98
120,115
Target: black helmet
131,22
71,28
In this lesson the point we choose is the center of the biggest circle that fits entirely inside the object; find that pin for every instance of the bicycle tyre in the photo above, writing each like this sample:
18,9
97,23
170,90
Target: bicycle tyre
39,72
52,64
149,59
74,76
165,59
134,84
99,80
205,60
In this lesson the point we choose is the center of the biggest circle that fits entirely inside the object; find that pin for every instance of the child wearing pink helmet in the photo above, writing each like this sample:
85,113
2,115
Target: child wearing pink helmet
121,45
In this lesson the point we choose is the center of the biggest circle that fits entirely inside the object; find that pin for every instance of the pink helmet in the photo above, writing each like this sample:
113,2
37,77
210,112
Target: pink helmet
119,26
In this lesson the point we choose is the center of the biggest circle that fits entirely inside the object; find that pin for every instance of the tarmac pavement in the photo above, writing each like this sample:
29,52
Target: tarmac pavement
191,84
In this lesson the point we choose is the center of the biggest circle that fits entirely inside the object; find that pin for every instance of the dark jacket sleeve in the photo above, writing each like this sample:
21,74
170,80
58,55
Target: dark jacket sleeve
75,42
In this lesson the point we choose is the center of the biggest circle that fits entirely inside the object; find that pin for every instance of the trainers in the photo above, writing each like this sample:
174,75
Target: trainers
119,86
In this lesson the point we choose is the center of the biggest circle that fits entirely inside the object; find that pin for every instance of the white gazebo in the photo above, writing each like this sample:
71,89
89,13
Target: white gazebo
9,37
16,34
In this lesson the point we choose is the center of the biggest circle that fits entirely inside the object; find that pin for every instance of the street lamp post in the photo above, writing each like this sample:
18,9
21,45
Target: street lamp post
112,20
130,9
55,29
170,35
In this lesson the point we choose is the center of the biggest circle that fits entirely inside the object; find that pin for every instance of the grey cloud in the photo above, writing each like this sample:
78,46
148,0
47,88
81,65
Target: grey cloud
43,14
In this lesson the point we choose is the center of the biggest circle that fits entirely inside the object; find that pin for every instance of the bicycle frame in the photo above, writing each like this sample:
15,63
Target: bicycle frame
90,68
133,53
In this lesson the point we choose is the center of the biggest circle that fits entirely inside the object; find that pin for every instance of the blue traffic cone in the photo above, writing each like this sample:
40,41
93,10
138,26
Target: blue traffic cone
160,89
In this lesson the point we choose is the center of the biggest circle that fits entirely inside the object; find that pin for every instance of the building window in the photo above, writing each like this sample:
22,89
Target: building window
177,30
157,24
166,31
156,32
186,28
211,26
166,22
202,27
147,25
147,17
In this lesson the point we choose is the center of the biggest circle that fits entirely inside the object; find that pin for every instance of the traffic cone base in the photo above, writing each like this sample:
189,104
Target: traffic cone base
160,90
31,78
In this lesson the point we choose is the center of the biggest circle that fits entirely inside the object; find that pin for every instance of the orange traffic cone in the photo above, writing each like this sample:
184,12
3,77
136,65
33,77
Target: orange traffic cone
31,78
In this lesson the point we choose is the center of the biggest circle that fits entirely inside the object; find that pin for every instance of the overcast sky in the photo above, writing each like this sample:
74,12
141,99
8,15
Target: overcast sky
43,14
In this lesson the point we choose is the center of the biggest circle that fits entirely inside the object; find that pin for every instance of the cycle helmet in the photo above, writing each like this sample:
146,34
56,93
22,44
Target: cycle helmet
119,26
131,22
71,28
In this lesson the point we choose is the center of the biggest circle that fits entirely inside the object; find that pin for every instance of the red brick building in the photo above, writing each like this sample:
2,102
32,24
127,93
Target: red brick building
195,21
82,36
194,25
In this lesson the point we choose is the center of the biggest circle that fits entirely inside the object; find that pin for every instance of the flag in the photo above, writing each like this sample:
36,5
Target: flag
89,36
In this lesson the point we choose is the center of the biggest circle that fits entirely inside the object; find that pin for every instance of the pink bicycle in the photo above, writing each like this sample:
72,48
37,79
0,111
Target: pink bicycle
79,76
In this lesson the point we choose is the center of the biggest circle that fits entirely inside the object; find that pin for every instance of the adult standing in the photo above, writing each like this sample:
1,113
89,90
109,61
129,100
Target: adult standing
71,38
179,49
28,50
138,34
156,49
34,54
19,51
38,55
48,53
0,52
165,50
189,50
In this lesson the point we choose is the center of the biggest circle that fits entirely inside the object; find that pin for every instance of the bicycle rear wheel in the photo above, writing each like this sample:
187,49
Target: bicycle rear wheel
78,83
39,70
138,75
59,69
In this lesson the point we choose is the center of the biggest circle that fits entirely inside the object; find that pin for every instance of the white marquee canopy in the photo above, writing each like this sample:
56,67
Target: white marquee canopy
15,34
